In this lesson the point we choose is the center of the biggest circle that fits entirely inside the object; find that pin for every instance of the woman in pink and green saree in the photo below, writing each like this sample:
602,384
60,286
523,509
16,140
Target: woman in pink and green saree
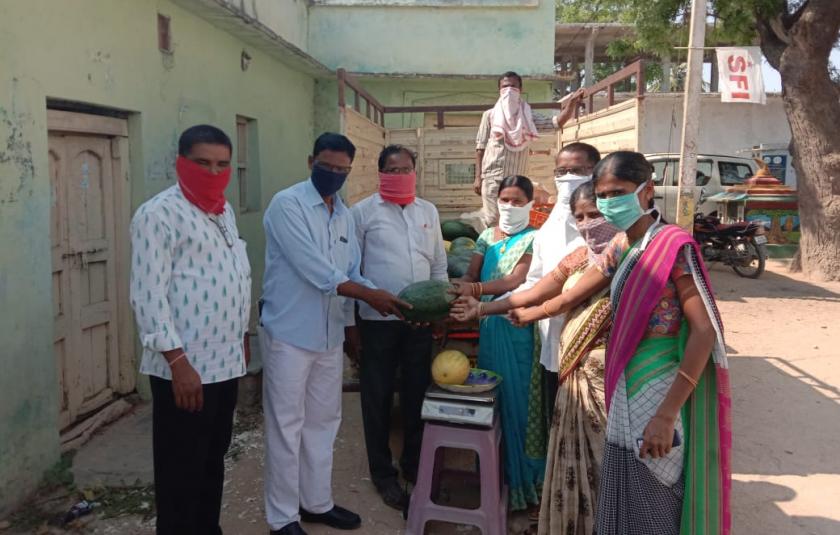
666,466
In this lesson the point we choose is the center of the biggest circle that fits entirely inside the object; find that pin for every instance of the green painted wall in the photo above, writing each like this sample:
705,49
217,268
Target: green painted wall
105,53
434,40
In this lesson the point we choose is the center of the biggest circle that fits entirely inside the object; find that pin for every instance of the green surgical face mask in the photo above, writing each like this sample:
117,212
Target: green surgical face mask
623,210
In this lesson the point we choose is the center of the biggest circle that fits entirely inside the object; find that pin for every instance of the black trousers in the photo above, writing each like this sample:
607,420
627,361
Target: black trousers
387,345
189,451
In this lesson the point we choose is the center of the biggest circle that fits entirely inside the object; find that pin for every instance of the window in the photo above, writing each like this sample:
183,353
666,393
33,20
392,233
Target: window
704,172
664,172
247,172
732,173
459,174
164,33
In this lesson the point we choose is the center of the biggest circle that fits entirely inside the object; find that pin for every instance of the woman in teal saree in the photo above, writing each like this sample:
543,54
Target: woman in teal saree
500,264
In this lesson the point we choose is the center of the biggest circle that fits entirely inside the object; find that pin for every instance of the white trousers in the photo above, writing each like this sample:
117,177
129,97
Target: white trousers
302,410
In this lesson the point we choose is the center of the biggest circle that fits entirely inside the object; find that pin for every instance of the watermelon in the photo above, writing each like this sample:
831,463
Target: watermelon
430,299
462,243
455,229
458,262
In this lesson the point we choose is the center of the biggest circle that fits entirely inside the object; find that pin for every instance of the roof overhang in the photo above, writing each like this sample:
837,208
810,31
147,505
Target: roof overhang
570,38
239,23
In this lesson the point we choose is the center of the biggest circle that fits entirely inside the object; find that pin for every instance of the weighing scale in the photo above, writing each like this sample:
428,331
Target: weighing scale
459,408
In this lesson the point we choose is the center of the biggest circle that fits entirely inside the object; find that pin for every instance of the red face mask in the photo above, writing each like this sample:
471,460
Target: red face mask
398,189
201,187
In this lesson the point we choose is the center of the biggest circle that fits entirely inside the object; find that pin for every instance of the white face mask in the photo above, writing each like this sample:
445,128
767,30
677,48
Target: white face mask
510,94
568,183
513,219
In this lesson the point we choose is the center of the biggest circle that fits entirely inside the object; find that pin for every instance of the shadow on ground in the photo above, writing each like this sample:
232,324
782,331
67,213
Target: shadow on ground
776,284
765,514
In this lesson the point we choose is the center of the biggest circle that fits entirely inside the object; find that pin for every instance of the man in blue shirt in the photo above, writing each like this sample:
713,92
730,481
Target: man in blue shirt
311,277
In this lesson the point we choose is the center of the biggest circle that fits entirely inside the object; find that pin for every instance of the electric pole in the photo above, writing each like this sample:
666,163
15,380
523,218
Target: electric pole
691,115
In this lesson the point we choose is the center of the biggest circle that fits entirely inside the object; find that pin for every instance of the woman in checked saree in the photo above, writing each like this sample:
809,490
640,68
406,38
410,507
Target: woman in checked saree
666,467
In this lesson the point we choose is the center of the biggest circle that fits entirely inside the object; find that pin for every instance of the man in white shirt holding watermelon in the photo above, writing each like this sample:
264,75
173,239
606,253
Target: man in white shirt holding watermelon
401,243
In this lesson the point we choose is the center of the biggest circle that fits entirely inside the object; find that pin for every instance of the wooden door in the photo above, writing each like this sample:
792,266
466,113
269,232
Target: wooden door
83,229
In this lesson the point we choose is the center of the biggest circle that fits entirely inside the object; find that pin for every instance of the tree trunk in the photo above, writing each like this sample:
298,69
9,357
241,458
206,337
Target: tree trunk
813,110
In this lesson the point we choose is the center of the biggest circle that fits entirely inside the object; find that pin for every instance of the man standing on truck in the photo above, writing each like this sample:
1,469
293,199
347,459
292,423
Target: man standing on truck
401,243
503,137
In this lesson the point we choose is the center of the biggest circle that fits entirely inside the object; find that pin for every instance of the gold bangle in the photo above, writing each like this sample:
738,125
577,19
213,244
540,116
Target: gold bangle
478,290
545,309
480,304
688,378
558,276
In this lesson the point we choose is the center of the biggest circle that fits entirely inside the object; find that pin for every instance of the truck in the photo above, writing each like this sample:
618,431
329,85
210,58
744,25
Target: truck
617,114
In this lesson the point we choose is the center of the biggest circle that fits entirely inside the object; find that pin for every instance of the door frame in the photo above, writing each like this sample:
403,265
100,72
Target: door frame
117,130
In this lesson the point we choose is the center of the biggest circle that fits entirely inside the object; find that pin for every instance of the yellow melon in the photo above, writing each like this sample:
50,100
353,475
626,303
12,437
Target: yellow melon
450,367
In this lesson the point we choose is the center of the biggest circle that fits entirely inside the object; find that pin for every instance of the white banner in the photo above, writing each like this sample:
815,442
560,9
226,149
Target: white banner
739,74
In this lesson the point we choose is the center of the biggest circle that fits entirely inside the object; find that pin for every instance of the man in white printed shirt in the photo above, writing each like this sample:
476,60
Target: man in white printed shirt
191,295
312,264
401,243
504,134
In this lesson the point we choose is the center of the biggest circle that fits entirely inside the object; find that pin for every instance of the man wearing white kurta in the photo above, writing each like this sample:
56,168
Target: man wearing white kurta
191,294
312,270
401,243
556,238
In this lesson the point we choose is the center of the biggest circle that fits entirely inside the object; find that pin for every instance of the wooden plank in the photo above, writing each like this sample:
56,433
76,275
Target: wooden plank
126,370
369,139
404,136
453,120
341,74
83,123
360,91
611,129
76,436
420,165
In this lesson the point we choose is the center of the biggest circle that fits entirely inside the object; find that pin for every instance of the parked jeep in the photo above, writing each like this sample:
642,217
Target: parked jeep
713,174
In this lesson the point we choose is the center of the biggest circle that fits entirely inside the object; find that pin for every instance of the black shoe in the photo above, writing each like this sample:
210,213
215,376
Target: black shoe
337,517
289,529
393,495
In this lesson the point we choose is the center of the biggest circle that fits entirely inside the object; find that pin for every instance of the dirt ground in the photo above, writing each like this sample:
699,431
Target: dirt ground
783,336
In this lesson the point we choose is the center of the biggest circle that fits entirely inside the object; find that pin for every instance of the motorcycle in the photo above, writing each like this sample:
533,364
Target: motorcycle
741,245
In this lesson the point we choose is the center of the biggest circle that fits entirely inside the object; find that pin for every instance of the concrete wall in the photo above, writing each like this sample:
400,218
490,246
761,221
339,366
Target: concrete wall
287,18
435,40
725,128
105,53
